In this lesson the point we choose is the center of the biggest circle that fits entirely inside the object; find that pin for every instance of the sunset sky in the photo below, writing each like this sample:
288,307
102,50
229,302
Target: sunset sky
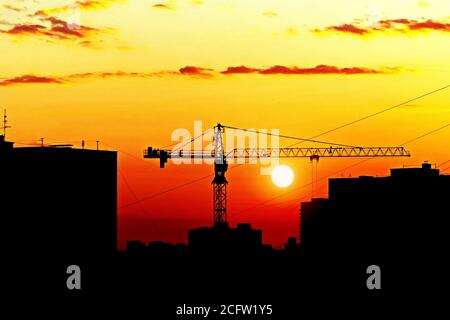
130,72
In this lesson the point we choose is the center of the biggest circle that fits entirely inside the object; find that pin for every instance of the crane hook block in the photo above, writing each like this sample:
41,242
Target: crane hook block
162,155
162,158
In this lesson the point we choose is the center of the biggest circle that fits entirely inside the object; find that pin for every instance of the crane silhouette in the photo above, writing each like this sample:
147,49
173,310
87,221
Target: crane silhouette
220,156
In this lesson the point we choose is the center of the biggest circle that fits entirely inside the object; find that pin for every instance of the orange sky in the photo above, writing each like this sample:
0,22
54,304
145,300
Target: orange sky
129,72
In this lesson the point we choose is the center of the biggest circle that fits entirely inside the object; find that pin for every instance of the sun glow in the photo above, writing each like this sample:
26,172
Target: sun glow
282,176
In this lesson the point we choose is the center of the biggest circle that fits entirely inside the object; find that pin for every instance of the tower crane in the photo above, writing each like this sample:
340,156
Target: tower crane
220,157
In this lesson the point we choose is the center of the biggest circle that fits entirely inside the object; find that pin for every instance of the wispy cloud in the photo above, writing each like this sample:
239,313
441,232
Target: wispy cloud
348,28
58,24
115,74
51,28
389,26
81,5
319,69
240,70
194,72
163,6
71,78
15,8
270,13
55,29
34,79
29,79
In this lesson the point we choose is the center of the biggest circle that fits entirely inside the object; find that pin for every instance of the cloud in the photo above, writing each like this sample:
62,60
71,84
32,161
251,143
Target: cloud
270,13
319,69
350,28
191,71
107,75
240,70
6,23
49,27
93,4
163,6
423,4
429,24
14,8
26,29
33,79
58,29
29,79
292,31
70,78
80,5
62,24
389,25
196,71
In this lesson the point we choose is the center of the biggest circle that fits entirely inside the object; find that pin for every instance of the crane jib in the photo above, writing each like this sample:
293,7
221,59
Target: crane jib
252,153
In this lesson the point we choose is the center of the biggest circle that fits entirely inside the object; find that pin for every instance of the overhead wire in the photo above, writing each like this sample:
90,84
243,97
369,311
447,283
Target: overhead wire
377,113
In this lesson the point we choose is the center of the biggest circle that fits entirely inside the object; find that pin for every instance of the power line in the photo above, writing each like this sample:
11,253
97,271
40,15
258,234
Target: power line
125,180
376,113
164,192
173,188
443,163
426,134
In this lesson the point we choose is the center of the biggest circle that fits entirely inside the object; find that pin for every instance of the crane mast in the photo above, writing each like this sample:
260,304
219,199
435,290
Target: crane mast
219,182
220,157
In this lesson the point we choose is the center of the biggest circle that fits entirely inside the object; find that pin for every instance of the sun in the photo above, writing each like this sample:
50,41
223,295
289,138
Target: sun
282,176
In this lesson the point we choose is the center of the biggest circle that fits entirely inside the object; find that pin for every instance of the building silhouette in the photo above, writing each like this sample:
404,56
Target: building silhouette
221,239
59,201
379,217
155,249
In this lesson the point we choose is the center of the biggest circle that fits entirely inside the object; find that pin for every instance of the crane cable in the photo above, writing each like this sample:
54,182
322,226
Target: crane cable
192,140
291,137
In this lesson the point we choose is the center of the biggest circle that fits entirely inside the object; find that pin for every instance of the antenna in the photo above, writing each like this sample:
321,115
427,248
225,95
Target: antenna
5,124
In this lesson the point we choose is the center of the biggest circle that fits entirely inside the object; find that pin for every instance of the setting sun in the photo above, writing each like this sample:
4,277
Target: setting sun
282,176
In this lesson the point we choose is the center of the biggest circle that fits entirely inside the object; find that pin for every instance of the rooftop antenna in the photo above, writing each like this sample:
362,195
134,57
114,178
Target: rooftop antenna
5,124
